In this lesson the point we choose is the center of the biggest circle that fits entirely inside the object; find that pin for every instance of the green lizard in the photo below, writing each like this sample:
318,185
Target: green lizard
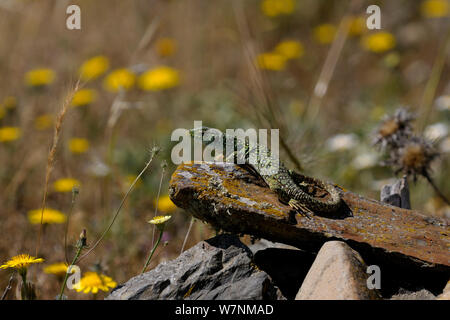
291,187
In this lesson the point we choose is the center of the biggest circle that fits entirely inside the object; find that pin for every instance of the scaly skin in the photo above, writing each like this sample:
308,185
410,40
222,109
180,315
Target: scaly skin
291,187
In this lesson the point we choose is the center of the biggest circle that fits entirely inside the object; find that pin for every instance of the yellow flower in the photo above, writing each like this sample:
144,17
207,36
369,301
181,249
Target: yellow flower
378,42
58,269
273,8
435,8
119,79
290,49
160,219
94,68
325,33
2,112
20,262
9,102
50,216
92,282
65,185
43,122
166,47
159,78
271,61
165,204
357,26
84,97
78,145
39,77
8,134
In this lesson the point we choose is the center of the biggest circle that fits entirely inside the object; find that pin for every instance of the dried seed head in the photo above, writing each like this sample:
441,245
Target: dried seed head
414,157
83,238
155,150
394,128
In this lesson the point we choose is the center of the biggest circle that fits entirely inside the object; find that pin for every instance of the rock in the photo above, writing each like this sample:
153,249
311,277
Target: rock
338,273
446,294
397,194
410,247
219,268
263,244
286,267
417,295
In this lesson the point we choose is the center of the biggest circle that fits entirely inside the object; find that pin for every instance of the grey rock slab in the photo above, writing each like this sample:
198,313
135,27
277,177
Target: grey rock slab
220,268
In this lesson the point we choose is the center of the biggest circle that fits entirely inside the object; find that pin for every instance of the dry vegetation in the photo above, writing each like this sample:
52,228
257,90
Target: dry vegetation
215,75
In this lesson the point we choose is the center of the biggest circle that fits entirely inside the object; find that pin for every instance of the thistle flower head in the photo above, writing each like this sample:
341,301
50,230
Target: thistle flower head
394,128
414,157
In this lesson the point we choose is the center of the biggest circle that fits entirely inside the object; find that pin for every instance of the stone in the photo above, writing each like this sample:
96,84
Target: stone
338,273
396,194
220,268
413,295
446,293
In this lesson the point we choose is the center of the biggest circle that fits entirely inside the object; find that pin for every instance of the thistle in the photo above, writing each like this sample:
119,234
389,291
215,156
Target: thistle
394,129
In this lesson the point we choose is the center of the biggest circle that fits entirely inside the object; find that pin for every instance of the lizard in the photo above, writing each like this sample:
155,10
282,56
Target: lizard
291,187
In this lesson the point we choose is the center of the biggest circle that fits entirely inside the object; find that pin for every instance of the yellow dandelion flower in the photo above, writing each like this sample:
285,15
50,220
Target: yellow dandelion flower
84,97
119,79
20,262
93,282
378,42
324,33
166,47
160,220
9,102
94,68
8,134
271,61
435,8
65,185
43,122
78,145
165,204
58,269
51,216
159,78
357,26
39,77
291,49
274,8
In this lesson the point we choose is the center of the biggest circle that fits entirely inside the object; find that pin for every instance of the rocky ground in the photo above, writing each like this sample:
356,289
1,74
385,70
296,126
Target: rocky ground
370,250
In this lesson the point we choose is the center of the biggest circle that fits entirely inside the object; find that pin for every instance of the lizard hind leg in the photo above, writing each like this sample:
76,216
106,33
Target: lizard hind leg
300,208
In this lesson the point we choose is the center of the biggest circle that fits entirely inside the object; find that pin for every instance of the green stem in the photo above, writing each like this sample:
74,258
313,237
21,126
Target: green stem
25,292
80,247
153,250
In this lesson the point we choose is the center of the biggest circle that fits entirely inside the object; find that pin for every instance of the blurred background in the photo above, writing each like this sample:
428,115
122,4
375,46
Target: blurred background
309,68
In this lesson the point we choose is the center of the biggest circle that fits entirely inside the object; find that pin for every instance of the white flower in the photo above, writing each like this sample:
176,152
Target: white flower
443,102
342,142
364,160
98,168
445,145
436,131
